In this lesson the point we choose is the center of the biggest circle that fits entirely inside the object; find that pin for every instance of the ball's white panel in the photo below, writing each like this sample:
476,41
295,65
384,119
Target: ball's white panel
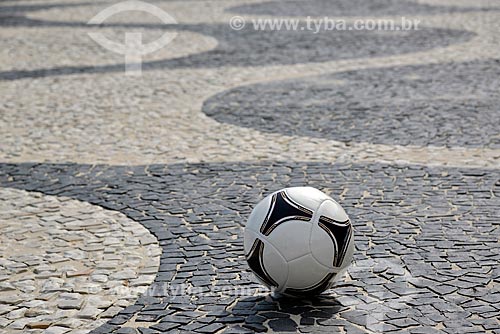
248,240
275,265
309,197
322,246
291,239
332,210
304,272
259,214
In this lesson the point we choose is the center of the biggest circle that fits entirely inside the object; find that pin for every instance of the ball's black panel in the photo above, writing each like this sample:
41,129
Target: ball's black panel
340,233
283,209
313,290
256,263
453,104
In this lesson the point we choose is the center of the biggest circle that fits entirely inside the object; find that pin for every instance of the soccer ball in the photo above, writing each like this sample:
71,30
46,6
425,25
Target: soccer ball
298,241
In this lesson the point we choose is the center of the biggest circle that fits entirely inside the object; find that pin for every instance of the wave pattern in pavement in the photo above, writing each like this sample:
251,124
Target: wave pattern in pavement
426,243
453,104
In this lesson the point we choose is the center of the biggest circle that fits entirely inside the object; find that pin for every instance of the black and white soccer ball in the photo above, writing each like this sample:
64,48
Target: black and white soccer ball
298,241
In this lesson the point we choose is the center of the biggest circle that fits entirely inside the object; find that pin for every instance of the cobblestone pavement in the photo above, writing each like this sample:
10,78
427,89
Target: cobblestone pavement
68,265
352,8
123,198
130,121
426,243
384,110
